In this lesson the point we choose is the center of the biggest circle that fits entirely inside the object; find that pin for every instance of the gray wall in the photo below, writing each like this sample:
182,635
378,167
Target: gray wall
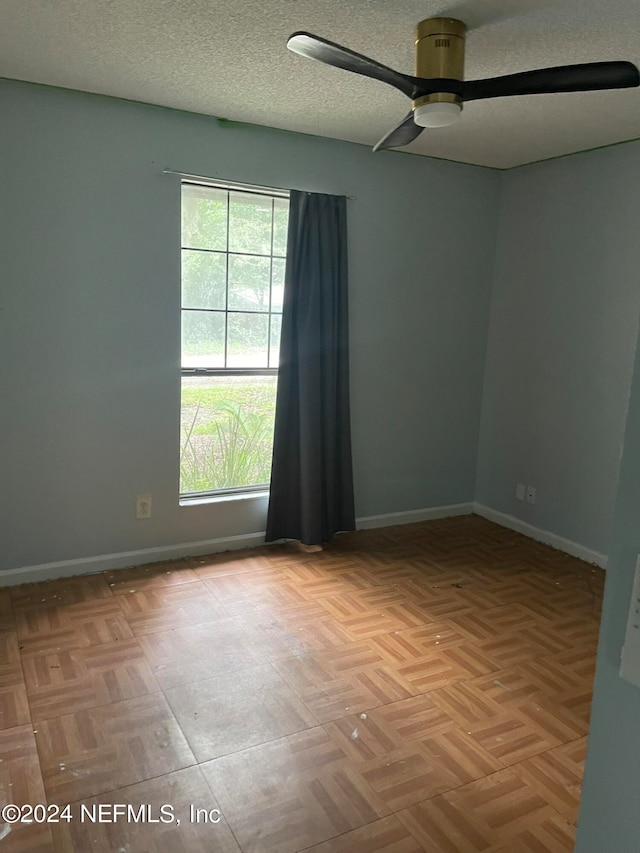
89,325
609,811
562,332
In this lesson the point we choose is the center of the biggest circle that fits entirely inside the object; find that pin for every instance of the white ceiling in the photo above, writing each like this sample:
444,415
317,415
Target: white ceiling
228,58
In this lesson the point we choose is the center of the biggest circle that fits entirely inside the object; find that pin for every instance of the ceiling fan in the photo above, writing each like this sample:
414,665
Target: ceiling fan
439,90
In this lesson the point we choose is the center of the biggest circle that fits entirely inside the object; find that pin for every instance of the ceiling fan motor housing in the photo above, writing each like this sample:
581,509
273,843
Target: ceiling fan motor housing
440,53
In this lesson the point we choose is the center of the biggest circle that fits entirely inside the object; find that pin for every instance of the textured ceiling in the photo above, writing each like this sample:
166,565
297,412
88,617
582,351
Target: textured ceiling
228,58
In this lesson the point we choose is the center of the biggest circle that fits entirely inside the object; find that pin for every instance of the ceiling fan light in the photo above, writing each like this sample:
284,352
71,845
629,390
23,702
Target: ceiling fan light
436,114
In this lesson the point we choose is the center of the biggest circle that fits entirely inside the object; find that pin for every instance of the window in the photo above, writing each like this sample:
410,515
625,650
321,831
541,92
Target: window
233,257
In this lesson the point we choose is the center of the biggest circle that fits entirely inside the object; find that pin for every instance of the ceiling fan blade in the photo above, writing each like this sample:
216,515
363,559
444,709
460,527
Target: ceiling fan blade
564,78
314,47
401,135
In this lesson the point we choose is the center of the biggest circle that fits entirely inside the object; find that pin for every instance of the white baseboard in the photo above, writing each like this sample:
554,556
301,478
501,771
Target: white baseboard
413,515
123,559
540,535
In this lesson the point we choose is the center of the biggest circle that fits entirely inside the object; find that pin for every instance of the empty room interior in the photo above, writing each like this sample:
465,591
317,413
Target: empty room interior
442,673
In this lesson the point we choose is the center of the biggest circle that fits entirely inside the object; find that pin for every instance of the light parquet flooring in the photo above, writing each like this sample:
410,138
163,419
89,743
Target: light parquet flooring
417,688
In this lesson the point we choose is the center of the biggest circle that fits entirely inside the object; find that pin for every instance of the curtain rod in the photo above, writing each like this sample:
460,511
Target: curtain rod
235,185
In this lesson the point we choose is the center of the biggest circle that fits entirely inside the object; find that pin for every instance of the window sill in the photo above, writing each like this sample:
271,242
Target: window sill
217,499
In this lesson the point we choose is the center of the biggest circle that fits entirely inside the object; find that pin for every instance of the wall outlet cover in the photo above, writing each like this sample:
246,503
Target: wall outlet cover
143,506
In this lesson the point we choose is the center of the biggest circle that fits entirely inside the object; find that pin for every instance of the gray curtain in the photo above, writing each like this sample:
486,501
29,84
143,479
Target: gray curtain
311,495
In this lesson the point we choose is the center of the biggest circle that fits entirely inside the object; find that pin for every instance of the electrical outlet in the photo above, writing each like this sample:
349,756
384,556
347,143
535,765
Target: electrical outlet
531,494
143,506
520,492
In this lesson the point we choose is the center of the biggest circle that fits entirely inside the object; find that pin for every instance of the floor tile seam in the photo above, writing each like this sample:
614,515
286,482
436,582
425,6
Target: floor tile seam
169,587
396,812
537,755
72,619
418,744
115,593
109,791
42,720
395,701
26,655
29,725
11,619
24,682
379,612
54,602
311,847
258,662
568,743
108,705
239,689
342,677
244,749
230,574
270,742
369,709
75,648
547,807
130,620
455,788
215,796
508,766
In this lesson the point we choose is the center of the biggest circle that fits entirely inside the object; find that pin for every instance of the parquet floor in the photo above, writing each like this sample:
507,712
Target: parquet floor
417,688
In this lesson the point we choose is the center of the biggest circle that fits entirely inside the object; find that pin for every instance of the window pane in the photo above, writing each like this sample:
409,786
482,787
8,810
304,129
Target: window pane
277,284
226,434
202,339
247,336
274,343
280,224
250,224
204,277
204,218
248,283
233,262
